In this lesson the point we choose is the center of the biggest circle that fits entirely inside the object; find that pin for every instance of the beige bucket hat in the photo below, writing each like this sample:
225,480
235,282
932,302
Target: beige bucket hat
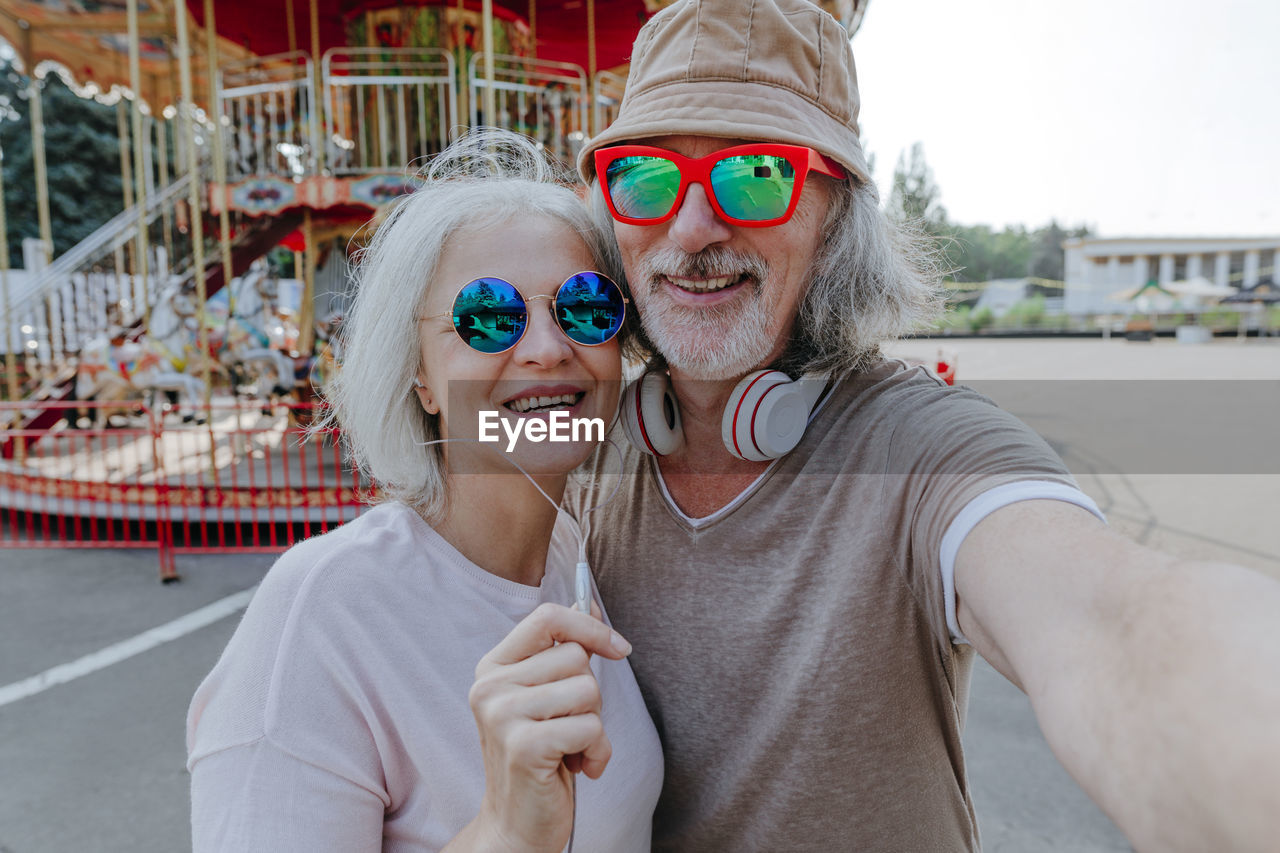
760,70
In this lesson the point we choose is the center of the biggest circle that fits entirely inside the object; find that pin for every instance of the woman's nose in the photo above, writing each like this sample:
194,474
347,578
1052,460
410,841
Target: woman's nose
543,343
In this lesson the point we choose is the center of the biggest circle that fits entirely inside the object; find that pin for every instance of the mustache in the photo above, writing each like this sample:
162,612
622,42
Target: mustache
711,262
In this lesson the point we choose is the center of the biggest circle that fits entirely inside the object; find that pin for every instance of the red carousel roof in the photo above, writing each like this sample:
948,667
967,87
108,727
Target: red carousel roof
562,24
88,38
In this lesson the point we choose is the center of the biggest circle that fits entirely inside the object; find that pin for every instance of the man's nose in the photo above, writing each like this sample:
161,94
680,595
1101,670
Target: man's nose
543,343
696,225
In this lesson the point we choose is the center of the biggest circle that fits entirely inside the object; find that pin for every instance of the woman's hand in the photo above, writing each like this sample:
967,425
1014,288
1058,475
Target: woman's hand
537,706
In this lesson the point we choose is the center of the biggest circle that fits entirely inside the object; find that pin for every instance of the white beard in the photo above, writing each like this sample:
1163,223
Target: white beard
709,343
716,342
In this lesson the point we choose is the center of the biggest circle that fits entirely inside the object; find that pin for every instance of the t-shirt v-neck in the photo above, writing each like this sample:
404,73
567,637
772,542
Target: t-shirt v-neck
706,521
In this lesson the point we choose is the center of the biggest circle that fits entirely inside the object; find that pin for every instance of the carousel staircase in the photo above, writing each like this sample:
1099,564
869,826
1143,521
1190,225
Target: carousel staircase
253,241
66,306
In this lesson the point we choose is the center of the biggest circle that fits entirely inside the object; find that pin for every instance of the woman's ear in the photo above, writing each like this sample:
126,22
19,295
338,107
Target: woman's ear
429,405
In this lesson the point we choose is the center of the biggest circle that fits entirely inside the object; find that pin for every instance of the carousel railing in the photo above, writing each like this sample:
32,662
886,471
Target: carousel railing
608,93
131,474
549,101
387,107
268,109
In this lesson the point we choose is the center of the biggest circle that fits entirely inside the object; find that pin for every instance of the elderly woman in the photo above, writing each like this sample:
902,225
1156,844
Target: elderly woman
414,679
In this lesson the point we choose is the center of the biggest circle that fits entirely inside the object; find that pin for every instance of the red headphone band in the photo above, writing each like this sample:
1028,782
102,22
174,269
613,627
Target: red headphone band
756,411
738,410
644,433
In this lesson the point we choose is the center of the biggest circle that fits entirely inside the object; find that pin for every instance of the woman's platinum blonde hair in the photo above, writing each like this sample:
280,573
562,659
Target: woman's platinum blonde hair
484,178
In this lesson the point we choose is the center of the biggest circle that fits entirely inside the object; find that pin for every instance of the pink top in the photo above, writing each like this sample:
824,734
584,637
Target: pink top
337,717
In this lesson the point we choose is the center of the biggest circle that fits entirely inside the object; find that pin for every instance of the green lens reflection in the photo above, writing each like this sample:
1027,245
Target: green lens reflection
753,187
643,187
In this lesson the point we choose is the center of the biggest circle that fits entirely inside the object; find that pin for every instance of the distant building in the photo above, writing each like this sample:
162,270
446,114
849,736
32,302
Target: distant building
1097,267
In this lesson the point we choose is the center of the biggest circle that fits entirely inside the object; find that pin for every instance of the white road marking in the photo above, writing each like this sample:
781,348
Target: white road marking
126,649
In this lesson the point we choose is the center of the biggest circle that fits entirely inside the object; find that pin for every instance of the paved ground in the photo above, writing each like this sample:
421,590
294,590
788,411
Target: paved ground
1077,358
96,764
1217,500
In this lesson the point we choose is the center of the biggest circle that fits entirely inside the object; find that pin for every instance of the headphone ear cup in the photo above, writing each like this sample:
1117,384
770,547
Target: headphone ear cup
651,416
766,416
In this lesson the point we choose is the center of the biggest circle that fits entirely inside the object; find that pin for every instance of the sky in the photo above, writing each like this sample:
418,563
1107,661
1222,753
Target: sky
1136,117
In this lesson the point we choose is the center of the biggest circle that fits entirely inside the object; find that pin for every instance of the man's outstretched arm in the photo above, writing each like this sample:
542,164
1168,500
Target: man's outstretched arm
1156,681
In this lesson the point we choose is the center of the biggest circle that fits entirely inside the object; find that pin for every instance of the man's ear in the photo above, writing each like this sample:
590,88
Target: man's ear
429,404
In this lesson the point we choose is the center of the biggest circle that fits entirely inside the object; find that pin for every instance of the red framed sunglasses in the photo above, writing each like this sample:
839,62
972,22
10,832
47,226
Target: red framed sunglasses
755,185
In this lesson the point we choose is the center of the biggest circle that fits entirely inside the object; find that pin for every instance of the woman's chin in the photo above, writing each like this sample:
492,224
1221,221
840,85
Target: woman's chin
550,460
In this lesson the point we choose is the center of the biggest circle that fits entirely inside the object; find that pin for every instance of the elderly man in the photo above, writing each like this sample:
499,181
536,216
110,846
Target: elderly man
807,568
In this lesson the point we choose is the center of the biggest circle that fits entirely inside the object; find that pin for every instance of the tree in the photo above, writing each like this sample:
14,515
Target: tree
869,155
1046,254
974,252
914,197
82,153
979,253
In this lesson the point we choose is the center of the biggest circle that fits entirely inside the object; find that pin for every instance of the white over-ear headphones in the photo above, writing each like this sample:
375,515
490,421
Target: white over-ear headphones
765,417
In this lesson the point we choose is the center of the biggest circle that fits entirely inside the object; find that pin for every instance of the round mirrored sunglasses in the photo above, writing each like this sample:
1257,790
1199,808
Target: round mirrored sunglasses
491,315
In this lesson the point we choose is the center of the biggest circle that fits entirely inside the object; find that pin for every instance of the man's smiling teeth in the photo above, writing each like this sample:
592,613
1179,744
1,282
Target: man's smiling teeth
702,285
528,404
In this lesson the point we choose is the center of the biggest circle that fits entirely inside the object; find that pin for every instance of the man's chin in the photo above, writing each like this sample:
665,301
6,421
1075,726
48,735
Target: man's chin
711,345
711,366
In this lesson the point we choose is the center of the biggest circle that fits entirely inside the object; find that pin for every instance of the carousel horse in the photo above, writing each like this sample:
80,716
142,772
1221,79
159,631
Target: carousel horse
118,369
165,359
247,338
253,335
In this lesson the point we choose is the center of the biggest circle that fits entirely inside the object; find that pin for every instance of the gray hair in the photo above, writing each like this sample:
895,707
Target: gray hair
874,280
486,177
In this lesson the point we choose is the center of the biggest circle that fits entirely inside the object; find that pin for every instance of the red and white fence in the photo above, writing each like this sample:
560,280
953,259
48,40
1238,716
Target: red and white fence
248,481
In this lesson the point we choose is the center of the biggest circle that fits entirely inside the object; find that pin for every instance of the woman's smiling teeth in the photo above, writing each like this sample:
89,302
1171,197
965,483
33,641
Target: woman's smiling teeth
530,404
703,285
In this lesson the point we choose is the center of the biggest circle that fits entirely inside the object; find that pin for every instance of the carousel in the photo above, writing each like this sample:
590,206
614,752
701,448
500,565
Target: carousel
160,375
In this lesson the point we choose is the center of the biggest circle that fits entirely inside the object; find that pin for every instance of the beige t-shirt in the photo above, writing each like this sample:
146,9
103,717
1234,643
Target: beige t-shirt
793,648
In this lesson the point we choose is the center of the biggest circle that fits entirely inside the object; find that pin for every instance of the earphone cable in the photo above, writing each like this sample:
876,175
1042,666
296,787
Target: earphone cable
582,582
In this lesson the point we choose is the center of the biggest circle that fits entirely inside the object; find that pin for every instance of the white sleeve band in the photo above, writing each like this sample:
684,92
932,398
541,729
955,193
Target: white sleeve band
982,506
